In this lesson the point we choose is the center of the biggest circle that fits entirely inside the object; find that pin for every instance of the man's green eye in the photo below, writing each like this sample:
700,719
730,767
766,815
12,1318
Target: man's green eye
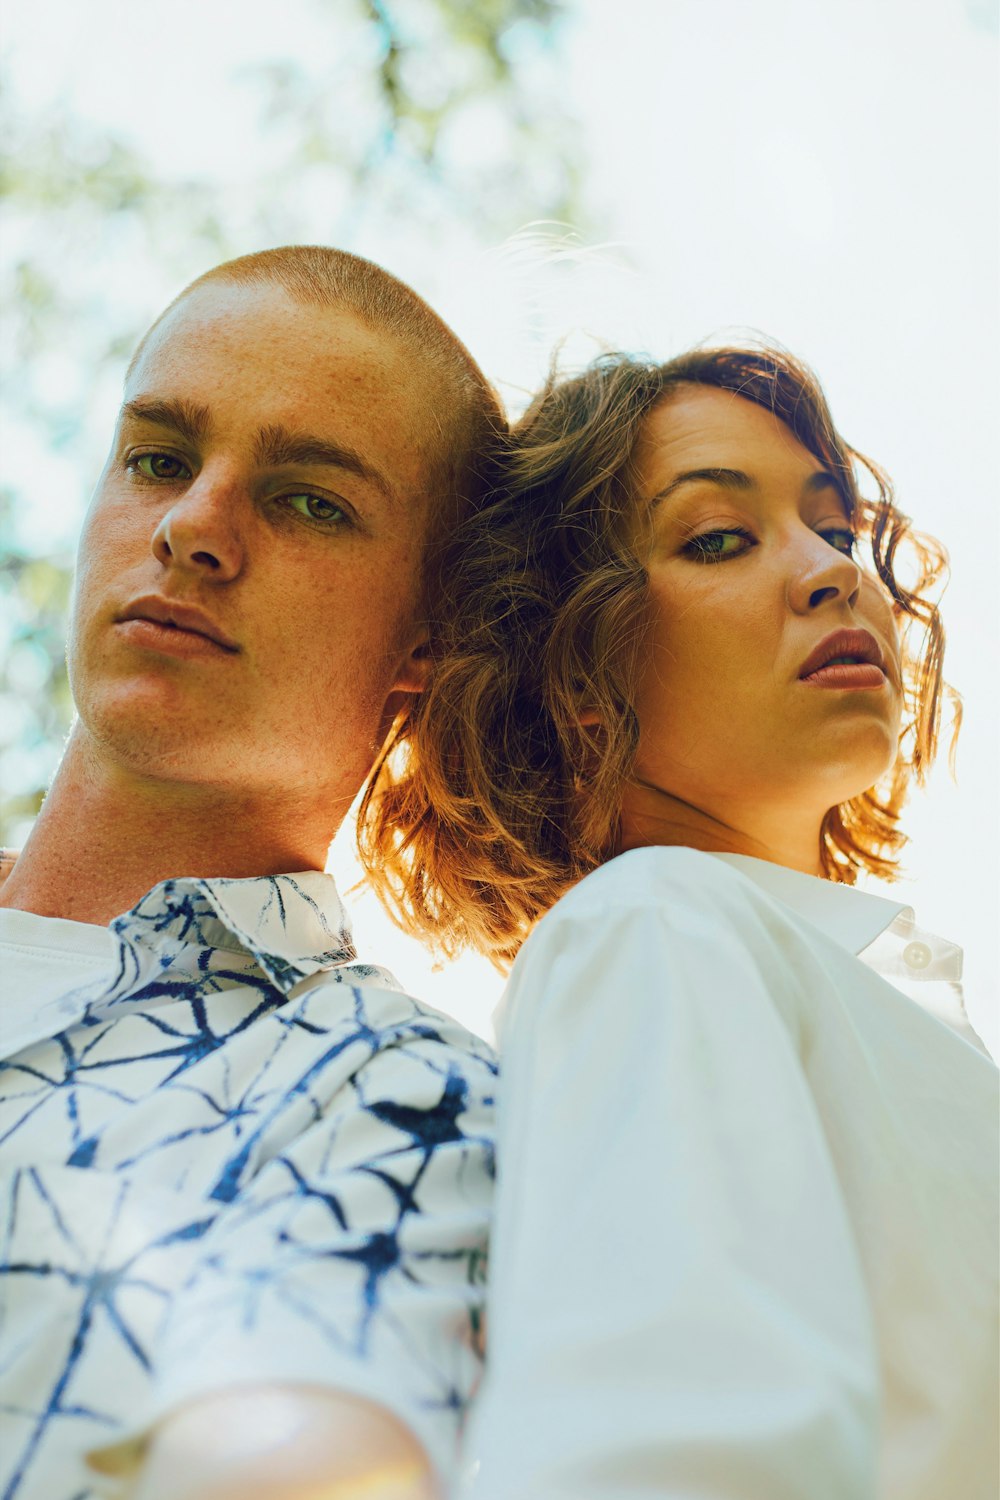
316,508
160,466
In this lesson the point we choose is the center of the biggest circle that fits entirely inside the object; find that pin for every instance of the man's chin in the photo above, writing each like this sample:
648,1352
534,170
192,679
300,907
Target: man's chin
149,729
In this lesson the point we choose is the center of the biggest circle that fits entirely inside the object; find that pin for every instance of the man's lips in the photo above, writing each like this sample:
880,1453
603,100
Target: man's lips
170,614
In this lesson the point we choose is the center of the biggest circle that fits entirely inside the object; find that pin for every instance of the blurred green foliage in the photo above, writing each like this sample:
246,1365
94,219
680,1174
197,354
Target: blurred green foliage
35,703
370,134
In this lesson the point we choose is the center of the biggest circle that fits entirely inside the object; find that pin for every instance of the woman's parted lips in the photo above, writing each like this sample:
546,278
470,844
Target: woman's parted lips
189,617
861,645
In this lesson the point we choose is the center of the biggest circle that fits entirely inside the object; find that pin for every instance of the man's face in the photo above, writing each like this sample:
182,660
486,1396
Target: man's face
249,573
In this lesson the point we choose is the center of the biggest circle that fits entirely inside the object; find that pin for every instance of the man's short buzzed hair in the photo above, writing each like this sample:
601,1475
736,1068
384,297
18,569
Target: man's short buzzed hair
463,409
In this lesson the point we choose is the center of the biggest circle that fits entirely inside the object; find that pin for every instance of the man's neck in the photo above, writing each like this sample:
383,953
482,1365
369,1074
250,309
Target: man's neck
104,837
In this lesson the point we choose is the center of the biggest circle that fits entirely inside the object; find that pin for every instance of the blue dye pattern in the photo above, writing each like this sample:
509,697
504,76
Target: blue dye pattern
240,1155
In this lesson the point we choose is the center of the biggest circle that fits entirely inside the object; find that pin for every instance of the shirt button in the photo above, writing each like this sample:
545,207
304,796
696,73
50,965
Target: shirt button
916,955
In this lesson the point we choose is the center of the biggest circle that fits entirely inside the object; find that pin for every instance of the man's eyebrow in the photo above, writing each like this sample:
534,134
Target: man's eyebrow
736,479
276,446
192,421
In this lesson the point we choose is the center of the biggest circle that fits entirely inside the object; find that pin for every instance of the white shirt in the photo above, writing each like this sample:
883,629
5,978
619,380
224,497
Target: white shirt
746,1225
229,1153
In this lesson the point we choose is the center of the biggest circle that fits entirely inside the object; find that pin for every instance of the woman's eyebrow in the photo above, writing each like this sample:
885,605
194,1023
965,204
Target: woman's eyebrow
729,479
821,480
736,479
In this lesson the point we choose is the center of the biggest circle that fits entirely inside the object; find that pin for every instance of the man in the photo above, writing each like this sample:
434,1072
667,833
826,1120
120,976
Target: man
246,1179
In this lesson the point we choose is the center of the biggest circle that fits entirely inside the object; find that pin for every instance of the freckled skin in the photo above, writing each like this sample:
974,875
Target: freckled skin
749,757
238,763
324,616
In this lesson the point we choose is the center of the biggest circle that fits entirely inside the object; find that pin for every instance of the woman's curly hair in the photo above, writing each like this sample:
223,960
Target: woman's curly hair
496,797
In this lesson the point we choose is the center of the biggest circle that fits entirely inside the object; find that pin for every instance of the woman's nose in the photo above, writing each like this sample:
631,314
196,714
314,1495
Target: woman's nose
201,532
821,574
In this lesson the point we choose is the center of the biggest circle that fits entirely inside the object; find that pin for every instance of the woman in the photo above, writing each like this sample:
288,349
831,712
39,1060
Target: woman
746,1225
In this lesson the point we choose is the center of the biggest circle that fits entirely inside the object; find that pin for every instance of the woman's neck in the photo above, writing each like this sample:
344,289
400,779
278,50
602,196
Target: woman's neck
651,815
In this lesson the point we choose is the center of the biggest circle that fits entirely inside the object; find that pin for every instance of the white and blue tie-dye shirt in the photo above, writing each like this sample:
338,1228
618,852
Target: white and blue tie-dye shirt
229,1153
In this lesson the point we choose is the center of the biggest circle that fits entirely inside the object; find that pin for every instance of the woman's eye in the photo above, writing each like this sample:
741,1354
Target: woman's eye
159,466
316,507
841,537
715,546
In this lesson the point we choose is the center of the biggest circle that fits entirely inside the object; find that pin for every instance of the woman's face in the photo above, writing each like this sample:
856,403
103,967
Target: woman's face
751,570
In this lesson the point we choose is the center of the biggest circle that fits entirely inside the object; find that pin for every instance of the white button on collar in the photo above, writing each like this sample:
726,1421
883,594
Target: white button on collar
917,955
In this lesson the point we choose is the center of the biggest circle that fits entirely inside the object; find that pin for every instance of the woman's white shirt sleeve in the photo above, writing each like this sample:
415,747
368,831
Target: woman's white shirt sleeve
677,1303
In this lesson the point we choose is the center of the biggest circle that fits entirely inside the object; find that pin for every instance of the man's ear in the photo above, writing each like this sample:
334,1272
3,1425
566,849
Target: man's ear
415,667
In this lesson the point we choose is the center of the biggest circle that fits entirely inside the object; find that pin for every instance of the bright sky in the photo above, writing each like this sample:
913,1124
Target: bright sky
823,173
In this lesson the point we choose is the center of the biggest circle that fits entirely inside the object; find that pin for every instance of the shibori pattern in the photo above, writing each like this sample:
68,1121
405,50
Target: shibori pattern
240,1157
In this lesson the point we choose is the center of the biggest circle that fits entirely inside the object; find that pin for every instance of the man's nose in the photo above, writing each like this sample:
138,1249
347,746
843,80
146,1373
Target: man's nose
821,574
202,532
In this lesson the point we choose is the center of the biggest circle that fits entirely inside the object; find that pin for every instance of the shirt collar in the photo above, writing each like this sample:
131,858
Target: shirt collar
214,933
292,925
851,918
191,938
